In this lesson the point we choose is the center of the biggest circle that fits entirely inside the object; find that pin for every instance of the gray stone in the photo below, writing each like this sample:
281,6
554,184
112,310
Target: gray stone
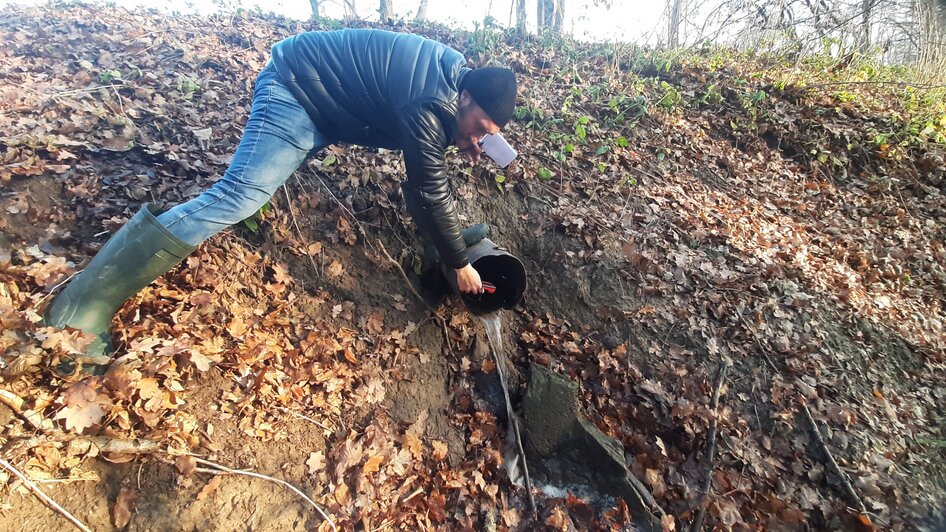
564,449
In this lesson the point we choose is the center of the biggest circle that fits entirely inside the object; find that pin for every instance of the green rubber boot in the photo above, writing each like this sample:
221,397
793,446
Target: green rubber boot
140,252
434,288
471,235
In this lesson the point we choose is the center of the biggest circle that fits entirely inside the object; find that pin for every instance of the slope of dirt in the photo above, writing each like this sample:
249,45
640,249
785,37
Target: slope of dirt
672,210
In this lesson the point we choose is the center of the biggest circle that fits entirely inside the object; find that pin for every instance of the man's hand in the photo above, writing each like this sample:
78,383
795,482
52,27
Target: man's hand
468,279
472,153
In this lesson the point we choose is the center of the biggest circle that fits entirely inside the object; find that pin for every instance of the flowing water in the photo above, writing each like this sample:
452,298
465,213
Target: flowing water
514,452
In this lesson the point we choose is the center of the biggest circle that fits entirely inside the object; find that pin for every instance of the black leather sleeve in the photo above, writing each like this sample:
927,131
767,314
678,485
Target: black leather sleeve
424,141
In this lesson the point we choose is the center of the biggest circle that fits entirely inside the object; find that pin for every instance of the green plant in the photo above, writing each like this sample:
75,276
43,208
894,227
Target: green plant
711,97
106,76
484,39
581,131
186,87
671,97
252,223
627,108
499,179
751,102
529,115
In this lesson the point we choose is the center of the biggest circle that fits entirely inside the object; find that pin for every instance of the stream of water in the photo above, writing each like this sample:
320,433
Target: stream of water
514,451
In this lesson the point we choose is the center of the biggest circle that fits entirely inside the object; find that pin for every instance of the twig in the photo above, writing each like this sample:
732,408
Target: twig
43,497
217,469
711,446
296,225
15,403
407,281
121,107
346,210
301,416
849,494
762,349
101,443
645,495
75,91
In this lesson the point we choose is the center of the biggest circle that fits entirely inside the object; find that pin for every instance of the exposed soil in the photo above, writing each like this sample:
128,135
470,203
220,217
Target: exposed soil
822,290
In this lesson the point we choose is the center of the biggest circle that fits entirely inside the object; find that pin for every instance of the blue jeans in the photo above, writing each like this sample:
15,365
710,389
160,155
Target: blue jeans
277,139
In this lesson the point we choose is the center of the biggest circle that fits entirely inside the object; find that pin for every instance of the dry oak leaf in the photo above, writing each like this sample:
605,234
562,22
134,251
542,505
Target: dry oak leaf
335,269
316,462
124,506
373,464
440,449
82,405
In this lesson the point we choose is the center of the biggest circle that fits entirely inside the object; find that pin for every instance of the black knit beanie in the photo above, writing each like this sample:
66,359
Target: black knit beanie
494,90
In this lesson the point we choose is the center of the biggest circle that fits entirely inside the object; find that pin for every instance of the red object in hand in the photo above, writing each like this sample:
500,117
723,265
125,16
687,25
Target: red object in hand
489,288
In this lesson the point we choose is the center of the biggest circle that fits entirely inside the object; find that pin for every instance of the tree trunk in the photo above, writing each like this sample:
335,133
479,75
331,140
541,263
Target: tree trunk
387,10
867,7
673,32
543,15
521,16
550,15
931,18
315,8
558,17
421,11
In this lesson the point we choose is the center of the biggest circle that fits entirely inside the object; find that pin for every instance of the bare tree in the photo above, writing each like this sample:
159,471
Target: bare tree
421,11
520,16
316,13
550,15
898,31
931,18
386,9
351,12
867,9
673,31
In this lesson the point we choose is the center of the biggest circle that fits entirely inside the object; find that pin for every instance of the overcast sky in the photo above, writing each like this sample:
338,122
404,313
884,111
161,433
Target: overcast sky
626,20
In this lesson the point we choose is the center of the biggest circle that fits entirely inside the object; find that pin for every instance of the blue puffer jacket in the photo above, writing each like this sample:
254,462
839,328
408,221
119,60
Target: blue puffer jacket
389,90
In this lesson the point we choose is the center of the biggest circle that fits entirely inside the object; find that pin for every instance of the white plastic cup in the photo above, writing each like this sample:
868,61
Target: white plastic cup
496,148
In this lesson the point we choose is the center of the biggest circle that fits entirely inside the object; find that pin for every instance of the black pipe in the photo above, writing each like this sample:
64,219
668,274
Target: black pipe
497,266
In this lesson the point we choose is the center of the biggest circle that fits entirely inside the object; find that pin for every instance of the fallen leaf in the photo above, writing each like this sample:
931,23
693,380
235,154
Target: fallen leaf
316,462
375,322
209,487
558,520
440,450
373,464
341,494
124,506
82,406
186,464
199,361
334,269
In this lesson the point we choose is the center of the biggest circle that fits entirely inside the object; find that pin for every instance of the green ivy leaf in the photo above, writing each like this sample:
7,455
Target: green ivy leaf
545,173
251,224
